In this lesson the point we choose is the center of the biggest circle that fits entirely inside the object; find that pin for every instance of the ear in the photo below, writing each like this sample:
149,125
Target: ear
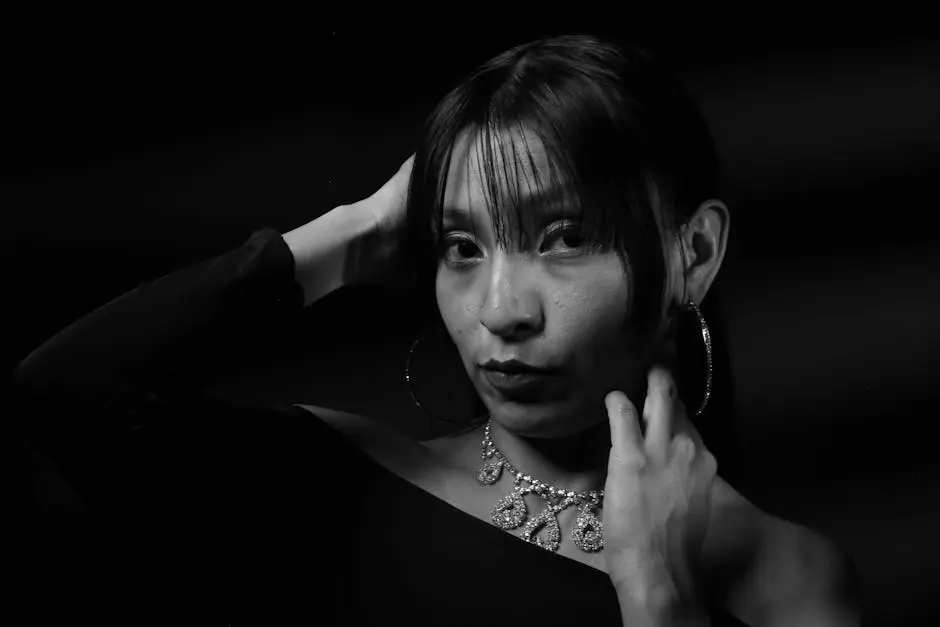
704,240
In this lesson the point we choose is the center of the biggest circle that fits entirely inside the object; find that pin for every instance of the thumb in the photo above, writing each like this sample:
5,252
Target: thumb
626,440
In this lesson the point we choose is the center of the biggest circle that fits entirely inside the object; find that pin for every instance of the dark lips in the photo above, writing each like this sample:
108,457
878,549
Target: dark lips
518,386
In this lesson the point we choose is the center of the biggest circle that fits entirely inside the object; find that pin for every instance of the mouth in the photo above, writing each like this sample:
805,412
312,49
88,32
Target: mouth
522,385
514,366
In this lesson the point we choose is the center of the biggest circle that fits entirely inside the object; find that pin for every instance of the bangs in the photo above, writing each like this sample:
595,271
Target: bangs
571,122
579,121
523,169
532,165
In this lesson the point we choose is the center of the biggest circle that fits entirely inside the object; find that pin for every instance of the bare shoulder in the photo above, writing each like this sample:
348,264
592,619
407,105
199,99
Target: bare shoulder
769,571
390,447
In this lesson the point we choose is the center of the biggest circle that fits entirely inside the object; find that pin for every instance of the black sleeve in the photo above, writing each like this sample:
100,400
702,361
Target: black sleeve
181,482
166,337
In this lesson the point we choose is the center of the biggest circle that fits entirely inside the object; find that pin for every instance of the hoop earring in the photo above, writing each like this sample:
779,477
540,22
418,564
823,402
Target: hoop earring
707,340
411,392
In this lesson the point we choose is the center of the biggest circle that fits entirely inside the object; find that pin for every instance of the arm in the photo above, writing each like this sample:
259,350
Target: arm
767,572
169,336
170,476
321,249
653,597
798,578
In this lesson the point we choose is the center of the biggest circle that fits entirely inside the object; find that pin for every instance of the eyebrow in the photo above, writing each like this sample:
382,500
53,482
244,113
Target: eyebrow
555,203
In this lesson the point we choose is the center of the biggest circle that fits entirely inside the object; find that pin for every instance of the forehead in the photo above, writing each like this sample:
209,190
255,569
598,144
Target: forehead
518,161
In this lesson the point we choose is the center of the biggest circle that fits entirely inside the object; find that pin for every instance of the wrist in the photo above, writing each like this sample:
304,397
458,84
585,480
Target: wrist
321,249
657,604
651,594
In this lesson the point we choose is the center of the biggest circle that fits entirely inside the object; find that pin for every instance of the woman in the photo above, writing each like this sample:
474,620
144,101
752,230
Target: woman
560,210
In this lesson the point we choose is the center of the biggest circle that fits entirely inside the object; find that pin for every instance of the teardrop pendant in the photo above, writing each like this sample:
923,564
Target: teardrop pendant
588,531
510,511
545,519
490,472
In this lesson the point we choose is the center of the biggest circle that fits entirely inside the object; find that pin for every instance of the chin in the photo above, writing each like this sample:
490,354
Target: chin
549,419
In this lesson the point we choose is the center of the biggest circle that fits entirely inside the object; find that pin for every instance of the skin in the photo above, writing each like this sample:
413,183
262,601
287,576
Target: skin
550,304
534,306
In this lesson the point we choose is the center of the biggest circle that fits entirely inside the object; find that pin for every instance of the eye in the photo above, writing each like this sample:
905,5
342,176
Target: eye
457,250
569,234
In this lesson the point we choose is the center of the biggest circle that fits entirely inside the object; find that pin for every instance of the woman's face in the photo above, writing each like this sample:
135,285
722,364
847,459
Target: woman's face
549,303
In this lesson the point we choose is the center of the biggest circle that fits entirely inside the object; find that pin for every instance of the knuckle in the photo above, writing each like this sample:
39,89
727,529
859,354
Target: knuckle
709,463
634,460
623,405
684,444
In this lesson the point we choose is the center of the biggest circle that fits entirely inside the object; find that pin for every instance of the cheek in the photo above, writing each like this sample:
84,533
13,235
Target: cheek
457,313
447,297
595,307
591,321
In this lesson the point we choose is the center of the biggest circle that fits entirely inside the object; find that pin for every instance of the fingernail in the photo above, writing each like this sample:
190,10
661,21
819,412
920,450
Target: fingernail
658,375
664,381
614,399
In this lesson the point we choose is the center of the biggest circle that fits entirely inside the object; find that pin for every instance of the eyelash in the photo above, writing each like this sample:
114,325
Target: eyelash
568,228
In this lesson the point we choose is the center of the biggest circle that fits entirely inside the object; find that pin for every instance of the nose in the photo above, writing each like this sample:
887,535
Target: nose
512,309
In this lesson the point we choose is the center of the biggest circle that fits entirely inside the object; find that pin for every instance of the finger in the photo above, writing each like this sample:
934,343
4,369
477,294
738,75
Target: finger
683,447
626,441
658,413
679,417
682,424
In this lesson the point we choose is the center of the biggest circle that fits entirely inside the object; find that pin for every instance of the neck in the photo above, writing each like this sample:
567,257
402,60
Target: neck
577,462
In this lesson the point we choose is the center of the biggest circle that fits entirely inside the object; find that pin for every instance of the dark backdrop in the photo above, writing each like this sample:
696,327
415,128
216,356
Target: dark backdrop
136,147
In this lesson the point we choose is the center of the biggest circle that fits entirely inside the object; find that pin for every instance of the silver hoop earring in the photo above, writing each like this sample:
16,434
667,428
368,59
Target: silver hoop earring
707,340
411,392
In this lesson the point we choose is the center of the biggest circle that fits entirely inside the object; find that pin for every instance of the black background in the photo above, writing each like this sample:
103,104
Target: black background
133,146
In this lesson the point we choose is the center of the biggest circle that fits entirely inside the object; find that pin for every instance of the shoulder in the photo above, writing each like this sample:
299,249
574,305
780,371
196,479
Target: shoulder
390,447
776,572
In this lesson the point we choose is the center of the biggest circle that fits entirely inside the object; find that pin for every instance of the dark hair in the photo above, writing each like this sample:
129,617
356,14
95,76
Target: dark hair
617,129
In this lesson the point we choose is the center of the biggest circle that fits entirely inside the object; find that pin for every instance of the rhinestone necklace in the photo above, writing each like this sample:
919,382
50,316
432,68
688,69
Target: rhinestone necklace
511,512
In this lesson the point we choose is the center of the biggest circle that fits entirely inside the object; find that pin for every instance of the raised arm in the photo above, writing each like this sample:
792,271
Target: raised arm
176,479
169,337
